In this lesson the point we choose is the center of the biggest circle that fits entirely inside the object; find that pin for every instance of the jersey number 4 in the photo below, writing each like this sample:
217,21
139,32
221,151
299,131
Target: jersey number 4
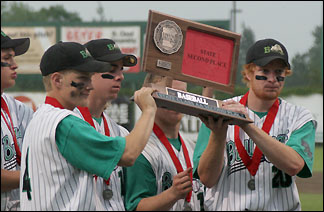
26,179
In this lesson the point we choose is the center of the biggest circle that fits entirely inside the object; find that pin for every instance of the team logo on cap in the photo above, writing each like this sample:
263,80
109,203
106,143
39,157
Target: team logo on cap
276,49
131,60
85,53
112,46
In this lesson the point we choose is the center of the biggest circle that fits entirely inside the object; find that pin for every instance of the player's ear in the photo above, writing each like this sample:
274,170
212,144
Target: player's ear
250,75
57,80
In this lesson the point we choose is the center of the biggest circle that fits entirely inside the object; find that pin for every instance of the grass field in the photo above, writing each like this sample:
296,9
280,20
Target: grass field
318,162
314,202
311,202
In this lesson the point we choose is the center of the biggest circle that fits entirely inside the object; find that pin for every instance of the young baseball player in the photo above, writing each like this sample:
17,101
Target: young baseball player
106,87
14,119
161,178
61,152
254,166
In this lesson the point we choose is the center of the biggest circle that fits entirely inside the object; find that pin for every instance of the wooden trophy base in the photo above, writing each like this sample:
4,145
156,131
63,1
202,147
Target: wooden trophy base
195,105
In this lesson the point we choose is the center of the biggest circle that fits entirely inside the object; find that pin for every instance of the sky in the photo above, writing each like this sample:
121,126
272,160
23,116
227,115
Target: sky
290,22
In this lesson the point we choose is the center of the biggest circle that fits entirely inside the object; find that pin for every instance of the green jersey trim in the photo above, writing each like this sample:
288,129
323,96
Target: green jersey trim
202,142
140,179
87,149
140,182
302,141
97,119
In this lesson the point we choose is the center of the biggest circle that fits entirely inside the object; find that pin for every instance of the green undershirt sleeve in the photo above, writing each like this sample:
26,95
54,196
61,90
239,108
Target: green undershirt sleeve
303,142
140,179
86,149
202,142
140,182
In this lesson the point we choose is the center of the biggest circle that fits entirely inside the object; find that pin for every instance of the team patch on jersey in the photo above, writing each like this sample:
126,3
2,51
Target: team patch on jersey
166,180
234,159
8,150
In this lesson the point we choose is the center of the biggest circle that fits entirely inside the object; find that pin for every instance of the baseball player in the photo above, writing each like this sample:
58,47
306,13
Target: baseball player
106,87
15,116
161,178
61,152
254,166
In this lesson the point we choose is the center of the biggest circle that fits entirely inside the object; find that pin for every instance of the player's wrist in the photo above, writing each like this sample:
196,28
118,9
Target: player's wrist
246,126
149,111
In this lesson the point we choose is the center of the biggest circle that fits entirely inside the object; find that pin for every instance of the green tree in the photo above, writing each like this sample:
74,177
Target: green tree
101,12
57,13
307,67
15,11
247,40
299,65
20,12
315,58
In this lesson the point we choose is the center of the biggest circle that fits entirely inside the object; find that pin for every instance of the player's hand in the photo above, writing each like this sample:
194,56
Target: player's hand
143,98
181,184
236,107
218,127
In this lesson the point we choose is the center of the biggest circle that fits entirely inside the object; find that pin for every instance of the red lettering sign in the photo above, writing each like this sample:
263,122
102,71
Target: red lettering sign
82,35
207,57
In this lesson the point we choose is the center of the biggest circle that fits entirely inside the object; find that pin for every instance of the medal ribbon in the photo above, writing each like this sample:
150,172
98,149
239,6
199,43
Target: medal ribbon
52,101
85,113
253,164
160,134
87,116
4,106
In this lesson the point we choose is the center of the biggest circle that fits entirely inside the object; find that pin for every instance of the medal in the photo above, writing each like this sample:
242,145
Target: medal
186,206
251,184
107,194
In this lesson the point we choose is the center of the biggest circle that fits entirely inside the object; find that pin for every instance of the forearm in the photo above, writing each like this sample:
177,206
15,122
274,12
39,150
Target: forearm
161,202
282,156
211,162
137,139
9,180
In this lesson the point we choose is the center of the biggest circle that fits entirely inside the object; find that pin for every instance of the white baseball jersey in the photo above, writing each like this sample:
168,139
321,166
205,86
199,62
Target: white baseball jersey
116,203
274,190
21,115
165,170
55,183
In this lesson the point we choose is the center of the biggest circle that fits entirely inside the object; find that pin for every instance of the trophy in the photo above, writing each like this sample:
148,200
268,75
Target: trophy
179,49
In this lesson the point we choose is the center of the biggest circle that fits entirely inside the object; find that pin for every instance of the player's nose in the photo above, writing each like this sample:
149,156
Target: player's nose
272,77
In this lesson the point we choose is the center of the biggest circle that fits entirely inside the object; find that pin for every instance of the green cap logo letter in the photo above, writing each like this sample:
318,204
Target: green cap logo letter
84,54
266,49
111,47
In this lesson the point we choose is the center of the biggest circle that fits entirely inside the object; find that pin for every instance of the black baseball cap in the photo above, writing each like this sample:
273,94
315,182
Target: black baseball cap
107,50
70,55
264,51
19,45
